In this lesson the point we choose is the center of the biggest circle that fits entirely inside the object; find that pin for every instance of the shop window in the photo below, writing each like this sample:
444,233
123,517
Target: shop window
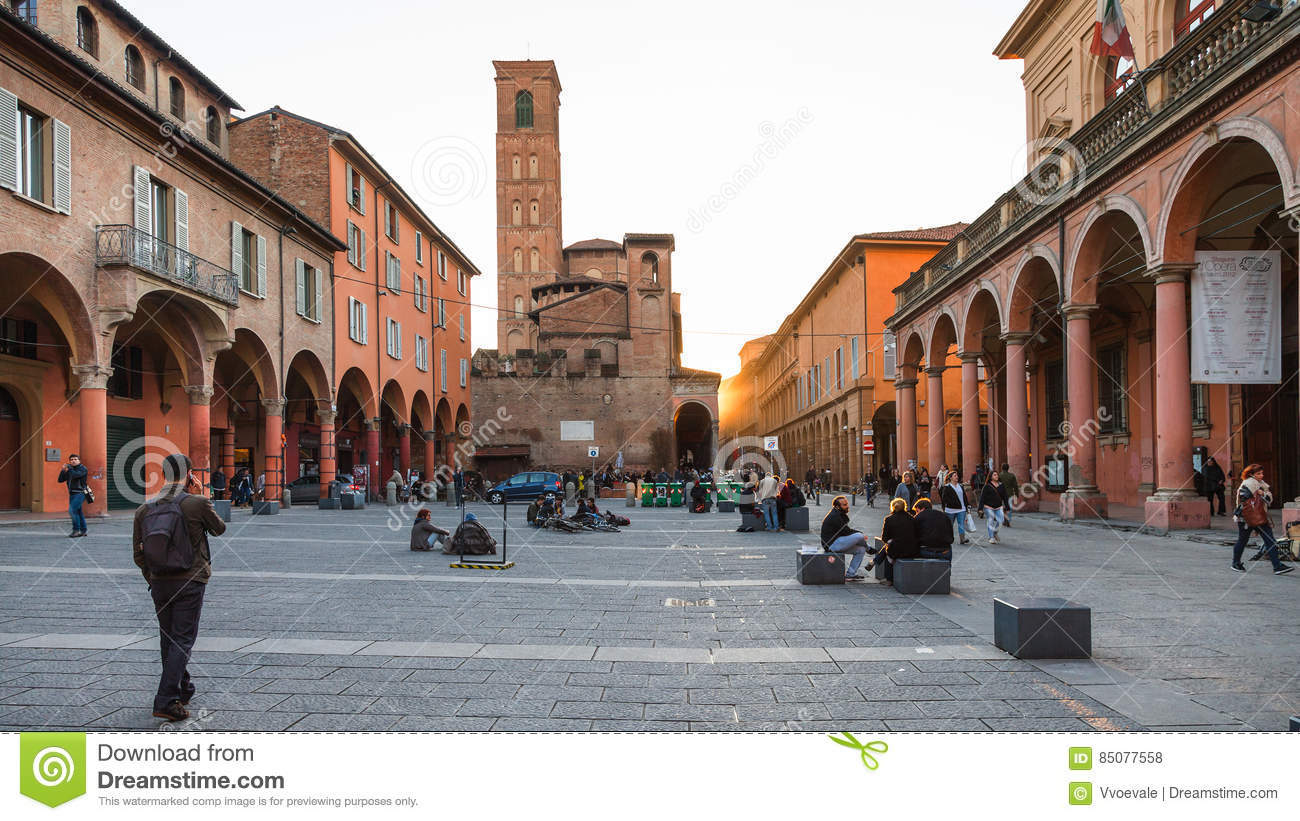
1200,406
1112,389
127,380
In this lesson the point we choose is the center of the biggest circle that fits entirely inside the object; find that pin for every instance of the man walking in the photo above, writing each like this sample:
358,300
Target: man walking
1011,489
74,475
767,491
170,546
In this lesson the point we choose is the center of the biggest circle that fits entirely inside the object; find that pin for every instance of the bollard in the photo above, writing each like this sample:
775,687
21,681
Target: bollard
391,498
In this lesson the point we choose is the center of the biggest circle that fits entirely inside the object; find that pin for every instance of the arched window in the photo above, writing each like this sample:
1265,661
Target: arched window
534,213
535,261
87,32
214,125
134,67
177,98
1119,76
650,314
519,261
523,110
515,168
519,307
532,166
650,267
1189,15
516,213
514,341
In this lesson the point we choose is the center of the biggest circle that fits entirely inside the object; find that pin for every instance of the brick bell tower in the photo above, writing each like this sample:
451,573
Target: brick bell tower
530,250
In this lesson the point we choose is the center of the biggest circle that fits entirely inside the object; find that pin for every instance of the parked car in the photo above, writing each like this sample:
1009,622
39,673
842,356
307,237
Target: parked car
306,489
528,485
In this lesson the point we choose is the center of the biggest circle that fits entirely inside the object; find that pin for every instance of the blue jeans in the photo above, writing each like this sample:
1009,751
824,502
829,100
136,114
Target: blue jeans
959,519
75,501
854,543
769,513
993,519
1265,533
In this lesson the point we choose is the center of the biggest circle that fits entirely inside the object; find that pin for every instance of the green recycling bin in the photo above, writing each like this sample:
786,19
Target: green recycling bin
661,494
675,494
647,494
729,491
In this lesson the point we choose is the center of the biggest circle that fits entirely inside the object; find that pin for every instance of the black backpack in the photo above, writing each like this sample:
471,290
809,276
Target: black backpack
166,540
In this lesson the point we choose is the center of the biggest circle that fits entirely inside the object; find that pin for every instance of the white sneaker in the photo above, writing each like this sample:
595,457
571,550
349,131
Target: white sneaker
993,540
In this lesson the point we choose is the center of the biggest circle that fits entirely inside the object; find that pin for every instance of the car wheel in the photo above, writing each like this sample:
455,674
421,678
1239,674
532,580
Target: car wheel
496,497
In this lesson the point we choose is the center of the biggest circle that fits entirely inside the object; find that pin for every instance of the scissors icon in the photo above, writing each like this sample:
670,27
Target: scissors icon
868,760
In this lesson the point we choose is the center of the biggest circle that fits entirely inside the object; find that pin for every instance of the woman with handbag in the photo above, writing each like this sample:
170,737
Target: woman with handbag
953,498
1253,499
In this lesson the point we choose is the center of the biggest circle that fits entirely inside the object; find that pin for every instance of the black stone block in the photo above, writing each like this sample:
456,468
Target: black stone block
1042,628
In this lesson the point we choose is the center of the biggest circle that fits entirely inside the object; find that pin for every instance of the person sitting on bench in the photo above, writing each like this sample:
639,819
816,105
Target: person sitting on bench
933,531
899,536
838,537
424,533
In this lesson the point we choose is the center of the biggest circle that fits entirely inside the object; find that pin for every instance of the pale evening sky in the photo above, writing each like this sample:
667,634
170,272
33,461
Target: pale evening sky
763,135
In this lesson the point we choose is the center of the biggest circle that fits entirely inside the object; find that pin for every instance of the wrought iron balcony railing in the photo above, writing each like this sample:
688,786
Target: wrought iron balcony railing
128,246
1221,44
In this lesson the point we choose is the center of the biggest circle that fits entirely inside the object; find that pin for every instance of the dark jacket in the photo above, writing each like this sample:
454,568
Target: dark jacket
991,496
949,498
218,480
899,532
1213,478
472,539
75,477
422,530
933,529
200,520
835,525
1009,483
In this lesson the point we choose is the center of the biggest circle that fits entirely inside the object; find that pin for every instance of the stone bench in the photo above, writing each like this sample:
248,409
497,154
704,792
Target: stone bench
726,506
819,568
352,501
329,504
222,507
1295,724
923,576
1042,628
266,508
796,519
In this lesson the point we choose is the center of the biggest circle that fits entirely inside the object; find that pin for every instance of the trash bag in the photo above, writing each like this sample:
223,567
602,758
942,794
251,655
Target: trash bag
470,539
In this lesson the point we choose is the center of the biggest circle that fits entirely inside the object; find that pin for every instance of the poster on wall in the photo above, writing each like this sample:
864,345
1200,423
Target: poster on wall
1236,322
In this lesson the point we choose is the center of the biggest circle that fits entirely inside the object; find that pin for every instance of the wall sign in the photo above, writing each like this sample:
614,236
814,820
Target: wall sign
1236,323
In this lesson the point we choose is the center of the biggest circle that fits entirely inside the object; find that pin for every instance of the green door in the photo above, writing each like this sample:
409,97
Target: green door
125,462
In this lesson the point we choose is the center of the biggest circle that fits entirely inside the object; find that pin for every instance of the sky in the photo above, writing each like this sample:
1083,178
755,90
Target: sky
763,135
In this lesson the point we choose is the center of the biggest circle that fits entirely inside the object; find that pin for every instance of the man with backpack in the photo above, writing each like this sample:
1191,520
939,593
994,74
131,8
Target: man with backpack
170,546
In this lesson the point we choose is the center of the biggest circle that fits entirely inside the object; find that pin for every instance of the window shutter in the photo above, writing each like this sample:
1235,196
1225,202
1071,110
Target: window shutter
890,356
365,324
463,368
352,181
399,340
419,247
8,140
318,311
261,266
300,279
352,318
388,336
63,169
361,187
361,250
143,202
352,243
237,251
182,220
442,369
388,225
461,319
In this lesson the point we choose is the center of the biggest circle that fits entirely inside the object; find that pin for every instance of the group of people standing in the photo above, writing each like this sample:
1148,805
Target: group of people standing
770,497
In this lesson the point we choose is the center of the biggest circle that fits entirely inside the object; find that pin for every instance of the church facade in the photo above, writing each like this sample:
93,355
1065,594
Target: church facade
589,336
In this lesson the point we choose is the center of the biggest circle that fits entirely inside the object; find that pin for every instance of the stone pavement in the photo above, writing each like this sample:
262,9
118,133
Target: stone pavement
324,620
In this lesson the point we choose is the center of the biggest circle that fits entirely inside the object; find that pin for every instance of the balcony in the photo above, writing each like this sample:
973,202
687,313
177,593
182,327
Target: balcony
123,245
1182,78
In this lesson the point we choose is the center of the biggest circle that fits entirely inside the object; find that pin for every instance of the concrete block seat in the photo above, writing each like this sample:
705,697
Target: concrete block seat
796,519
1042,628
266,508
352,501
222,508
923,576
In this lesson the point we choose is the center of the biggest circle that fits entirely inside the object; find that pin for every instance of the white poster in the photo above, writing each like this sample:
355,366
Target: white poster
577,431
1237,317
770,443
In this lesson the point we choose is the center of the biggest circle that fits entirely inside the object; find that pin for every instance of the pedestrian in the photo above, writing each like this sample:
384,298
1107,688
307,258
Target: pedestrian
924,483
1010,489
810,480
218,483
424,533
907,490
1213,483
941,477
1251,515
953,498
170,546
458,481
991,502
261,486
784,501
899,535
767,492
745,501
74,475
838,537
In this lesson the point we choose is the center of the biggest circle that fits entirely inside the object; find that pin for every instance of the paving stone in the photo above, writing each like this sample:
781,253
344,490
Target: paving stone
629,726
414,705
321,703
507,707
56,696
936,725
968,709
883,710
386,688
519,724
294,686
599,709
339,722
1038,725
689,712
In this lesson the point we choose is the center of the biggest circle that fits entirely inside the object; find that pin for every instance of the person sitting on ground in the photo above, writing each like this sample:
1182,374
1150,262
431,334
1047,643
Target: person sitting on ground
470,539
933,531
700,498
534,509
838,537
424,533
899,535
550,507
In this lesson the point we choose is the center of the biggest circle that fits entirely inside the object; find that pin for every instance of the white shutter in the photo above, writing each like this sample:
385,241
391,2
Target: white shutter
419,247
63,168
388,336
361,250
318,310
890,355
365,324
463,372
352,318
261,266
361,204
182,220
300,280
399,340
237,251
351,181
352,242
461,319
442,369
9,140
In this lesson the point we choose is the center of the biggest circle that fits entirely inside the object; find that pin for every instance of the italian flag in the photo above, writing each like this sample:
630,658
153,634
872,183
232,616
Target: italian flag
1110,37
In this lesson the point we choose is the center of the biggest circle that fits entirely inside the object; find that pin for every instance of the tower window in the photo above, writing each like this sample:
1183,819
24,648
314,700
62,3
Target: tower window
516,214
532,166
535,261
177,98
514,167
214,125
534,213
650,267
519,261
87,32
523,110
134,67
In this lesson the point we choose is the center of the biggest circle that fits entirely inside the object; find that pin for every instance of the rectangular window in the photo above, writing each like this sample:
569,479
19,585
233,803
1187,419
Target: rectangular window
464,372
839,368
161,227
421,353
1112,389
356,190
1055,385
127,380
460,319
889,350
419,247
32,153
248,261
442,266
1200,406
460,282
442,369
26,9
394,273
18,338
308,289
827,374
394,338
421,293
358,326
392,222
853,357
442,312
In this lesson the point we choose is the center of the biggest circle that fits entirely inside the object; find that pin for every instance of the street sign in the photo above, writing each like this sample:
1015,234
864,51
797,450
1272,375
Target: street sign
770,443
868,444
593,452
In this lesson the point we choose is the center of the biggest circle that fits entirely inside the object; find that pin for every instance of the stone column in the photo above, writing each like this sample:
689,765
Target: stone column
1083,499
1174,505
404,449
934,418
228,450
272,460
1017,413
430,455
329,461
905,392
372,456
92,396
200,428
1146,399
971,451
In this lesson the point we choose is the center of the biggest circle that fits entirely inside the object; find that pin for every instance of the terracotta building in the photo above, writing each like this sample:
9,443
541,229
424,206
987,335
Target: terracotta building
589,336
147,284
399,302
738,397
1076,289
824,382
